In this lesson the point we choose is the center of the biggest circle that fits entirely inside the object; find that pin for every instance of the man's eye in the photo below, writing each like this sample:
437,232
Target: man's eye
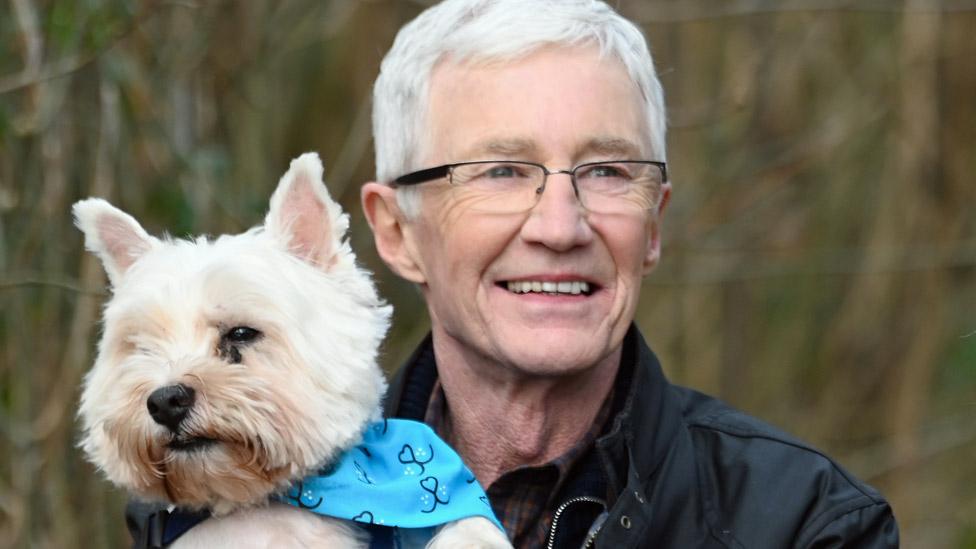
502,172
606,170
241,334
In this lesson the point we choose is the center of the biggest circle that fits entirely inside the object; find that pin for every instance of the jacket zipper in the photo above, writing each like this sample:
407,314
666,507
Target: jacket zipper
555,520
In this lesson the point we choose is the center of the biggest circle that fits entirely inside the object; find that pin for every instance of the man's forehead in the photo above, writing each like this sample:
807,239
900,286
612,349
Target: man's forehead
607,146
569,101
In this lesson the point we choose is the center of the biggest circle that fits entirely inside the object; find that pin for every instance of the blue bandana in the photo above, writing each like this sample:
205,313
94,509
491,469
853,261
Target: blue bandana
402,475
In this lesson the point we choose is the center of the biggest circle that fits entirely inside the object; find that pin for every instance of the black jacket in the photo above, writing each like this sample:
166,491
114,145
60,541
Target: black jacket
676,468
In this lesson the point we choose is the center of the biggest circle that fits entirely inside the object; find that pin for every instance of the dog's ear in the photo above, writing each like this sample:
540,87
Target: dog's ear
112,235
304,217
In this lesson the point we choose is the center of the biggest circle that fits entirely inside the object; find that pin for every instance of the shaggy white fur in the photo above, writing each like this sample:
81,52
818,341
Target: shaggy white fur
270,337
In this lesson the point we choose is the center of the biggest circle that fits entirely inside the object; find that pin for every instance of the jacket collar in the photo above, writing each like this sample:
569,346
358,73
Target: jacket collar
642,404
413,384
647,409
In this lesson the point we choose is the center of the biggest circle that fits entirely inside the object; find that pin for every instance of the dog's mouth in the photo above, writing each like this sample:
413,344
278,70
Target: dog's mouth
190,444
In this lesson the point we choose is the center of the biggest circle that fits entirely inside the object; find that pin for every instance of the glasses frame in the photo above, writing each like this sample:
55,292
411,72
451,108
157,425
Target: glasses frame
438,172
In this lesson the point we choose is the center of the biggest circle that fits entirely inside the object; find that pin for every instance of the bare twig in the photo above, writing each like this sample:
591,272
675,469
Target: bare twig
35,74
34,46
12,507
936,439
352,151
34,280
733,265
703,10
57,69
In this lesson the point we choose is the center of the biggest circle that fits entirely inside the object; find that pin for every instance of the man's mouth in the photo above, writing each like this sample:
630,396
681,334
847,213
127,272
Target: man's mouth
189,444
548,287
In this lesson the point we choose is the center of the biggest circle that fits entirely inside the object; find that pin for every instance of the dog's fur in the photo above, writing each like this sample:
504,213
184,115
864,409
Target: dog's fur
268,409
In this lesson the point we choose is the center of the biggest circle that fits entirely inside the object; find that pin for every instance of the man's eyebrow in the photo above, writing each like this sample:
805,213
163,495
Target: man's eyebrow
602,146
505,148
611,147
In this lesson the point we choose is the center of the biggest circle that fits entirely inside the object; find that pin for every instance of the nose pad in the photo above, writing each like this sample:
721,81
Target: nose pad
572,181
169,406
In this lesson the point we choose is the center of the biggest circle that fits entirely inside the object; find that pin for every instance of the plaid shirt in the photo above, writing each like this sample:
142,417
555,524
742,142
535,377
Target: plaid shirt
524,499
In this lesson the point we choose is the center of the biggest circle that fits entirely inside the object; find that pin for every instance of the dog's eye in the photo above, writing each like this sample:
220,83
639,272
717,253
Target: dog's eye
241,334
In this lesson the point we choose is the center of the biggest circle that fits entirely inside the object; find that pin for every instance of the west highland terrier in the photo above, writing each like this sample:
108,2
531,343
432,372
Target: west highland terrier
238,375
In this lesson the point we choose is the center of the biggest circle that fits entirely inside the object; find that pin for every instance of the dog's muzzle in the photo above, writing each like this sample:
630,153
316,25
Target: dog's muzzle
170,405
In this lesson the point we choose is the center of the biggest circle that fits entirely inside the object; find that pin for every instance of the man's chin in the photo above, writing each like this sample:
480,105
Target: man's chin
555,356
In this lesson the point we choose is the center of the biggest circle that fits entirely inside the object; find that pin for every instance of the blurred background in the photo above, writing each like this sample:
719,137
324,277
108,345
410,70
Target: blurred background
819,264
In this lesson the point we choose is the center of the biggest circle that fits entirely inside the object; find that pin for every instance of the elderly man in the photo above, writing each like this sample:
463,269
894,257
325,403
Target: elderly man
522,185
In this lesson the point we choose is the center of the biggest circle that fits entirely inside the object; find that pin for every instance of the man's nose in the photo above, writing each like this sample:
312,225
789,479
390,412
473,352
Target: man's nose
558,219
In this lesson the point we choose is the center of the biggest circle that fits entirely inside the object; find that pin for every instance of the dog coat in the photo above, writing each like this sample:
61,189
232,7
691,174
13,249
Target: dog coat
400,483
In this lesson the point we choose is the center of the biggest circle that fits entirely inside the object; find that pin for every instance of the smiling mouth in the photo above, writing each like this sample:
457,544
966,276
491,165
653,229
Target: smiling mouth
565,287
190,444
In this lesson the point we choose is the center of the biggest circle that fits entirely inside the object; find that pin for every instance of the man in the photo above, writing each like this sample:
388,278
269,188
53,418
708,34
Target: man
521,185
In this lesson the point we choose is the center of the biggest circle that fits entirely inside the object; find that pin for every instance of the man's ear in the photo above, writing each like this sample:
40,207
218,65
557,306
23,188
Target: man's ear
391,232
653,253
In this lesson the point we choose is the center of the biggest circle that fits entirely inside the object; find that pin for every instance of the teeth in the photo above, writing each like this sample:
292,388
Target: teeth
575,287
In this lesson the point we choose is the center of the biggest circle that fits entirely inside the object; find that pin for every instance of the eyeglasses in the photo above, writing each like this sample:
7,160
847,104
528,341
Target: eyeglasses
502,186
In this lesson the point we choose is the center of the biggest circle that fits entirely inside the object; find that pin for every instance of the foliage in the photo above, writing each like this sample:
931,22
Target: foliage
819,257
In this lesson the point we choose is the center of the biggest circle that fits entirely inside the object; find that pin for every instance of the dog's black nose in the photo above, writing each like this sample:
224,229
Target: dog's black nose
169,405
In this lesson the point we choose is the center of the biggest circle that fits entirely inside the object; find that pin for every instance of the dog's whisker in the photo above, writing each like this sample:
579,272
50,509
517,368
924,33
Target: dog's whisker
199,379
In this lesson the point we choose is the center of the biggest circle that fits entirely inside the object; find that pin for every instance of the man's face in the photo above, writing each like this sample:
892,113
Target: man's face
559,107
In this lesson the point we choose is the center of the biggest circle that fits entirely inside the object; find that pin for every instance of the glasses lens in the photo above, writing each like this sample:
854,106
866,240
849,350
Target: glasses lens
607,187
620,186
498,187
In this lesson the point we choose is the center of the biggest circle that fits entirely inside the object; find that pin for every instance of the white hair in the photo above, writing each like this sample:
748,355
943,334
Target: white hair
494,30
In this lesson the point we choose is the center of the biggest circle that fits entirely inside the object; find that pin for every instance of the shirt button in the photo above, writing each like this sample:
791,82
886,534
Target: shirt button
625,522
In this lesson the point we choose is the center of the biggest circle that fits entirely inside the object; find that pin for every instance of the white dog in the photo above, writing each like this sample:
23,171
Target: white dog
231,370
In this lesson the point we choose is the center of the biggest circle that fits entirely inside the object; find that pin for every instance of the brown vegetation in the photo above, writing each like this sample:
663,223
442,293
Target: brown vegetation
819,263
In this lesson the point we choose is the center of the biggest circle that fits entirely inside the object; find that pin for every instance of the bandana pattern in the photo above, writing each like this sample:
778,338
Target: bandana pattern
402,475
